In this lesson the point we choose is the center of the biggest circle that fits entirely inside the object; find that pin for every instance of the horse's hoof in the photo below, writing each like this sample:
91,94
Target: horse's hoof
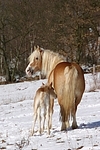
63,129
75,127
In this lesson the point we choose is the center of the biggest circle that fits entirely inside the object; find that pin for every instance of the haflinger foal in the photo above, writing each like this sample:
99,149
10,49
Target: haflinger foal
43,101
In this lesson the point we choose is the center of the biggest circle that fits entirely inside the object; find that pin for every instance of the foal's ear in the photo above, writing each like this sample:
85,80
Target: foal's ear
43,83
34,47
50,85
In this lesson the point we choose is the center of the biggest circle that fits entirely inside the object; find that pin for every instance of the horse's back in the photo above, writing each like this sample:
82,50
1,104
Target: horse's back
59,77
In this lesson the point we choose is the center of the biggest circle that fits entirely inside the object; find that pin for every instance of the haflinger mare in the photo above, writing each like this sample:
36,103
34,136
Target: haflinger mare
67,79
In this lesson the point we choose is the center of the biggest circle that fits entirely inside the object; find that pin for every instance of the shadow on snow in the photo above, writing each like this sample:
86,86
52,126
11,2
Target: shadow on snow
90,125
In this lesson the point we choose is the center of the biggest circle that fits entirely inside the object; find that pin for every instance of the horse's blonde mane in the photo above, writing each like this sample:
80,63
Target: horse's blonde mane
49,60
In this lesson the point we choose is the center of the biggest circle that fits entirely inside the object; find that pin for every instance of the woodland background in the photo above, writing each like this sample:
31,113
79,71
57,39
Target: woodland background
70,27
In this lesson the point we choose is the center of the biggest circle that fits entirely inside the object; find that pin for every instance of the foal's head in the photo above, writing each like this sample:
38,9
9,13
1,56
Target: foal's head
49,89
35,61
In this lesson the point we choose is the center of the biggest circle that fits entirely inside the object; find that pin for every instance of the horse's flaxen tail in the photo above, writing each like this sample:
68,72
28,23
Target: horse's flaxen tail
68,100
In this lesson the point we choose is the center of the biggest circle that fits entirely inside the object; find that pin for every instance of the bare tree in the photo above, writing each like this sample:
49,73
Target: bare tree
69,27
13,31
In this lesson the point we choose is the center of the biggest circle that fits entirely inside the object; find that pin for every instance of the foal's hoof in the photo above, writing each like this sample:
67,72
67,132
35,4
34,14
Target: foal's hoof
31,134
63,127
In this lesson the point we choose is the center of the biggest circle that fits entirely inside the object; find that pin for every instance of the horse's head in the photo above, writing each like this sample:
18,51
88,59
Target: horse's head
35,62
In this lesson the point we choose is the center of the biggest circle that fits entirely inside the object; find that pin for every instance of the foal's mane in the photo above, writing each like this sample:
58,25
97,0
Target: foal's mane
49,60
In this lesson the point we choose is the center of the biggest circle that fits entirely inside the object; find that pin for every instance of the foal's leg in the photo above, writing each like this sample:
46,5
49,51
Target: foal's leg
51,112
34,121
48,119
39,119
44,117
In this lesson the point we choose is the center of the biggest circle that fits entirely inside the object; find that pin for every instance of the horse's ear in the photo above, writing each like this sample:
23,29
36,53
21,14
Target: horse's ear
41,51
38,47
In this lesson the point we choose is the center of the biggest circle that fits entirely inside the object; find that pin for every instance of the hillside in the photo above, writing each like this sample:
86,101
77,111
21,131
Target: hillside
16,116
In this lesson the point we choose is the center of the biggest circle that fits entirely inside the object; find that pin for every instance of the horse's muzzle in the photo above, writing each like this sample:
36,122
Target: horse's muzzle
29,71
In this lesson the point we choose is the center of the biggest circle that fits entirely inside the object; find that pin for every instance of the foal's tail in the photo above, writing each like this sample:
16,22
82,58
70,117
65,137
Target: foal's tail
68,100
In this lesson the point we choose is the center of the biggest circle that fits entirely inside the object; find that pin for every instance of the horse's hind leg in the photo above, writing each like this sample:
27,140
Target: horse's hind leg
63,126
74,123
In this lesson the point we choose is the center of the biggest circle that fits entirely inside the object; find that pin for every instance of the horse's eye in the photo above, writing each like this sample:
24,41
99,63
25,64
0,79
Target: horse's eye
36,58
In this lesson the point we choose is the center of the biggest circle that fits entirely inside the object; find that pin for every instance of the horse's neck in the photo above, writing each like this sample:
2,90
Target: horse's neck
49,61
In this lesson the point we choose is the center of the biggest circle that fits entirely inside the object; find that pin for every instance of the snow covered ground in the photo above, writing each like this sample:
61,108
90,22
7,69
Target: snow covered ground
16,116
